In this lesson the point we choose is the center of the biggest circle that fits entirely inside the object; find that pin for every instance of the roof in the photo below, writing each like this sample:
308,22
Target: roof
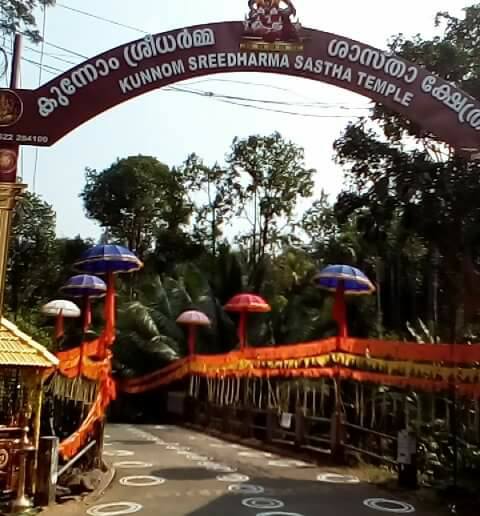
19,350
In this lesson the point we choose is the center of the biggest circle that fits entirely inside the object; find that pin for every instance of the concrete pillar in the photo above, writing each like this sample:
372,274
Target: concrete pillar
47,471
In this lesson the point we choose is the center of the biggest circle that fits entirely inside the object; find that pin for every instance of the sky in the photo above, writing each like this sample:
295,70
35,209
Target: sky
171,125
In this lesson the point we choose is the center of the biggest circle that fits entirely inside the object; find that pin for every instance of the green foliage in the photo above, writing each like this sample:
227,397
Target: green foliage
32,267
134,199
210,191
18,16
276,180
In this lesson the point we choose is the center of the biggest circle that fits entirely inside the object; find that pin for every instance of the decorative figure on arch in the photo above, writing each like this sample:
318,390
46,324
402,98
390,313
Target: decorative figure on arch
11,108
271,20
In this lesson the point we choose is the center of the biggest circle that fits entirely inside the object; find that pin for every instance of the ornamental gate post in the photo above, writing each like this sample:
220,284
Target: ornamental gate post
10,190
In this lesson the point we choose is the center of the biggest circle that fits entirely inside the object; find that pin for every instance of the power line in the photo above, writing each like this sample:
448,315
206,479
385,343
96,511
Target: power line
42,55
101,18
293,113
50,69
63,49
210,94
52,56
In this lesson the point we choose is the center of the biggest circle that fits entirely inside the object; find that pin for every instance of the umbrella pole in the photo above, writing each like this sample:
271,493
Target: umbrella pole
339,314
87,319
242,330
109,315
191,339
59,327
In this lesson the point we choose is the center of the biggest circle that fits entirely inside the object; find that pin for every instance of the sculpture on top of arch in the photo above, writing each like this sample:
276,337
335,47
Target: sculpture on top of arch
272,20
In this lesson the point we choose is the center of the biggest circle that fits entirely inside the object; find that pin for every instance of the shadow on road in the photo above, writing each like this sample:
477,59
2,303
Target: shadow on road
185,474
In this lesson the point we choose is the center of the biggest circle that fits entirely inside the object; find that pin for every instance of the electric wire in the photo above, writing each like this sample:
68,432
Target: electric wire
101,18
42,55
52,56
240,101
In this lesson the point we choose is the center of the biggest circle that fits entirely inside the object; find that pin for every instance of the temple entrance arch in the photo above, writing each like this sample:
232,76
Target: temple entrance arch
270,40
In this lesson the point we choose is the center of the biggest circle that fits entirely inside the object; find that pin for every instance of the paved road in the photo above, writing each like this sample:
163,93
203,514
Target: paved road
164,470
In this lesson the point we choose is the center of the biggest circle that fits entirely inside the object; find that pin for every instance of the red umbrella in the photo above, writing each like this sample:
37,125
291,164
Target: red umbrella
193,319
244,304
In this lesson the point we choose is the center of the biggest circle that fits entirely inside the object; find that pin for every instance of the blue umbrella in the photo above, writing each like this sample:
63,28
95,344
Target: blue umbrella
105,259
84,285
352,280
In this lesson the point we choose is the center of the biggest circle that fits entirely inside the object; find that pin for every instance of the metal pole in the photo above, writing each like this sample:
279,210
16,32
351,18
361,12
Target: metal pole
16,60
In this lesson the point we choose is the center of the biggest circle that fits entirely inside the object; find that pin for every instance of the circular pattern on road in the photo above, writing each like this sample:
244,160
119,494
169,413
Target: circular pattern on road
246,489
115,509
276,513
288,464
254,455
142,481
221,468
384,505
262,503
334,478
233,478
132,464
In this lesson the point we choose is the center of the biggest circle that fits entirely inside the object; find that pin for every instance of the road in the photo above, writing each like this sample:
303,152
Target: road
171,471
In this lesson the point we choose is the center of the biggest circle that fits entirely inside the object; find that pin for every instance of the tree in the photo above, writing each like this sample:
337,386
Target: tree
277,179
148,335
213,201
18,16
454,56
134,199
33,264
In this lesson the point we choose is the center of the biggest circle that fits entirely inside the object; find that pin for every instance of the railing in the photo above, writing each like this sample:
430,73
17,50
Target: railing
364,438
77,457
306,433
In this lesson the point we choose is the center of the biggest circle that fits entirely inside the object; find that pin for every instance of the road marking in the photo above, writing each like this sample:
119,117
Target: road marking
288,464
221,468
132,464
262,503
142,481
333,478
276,513
234,478
115,509
384,505
254,455
246,489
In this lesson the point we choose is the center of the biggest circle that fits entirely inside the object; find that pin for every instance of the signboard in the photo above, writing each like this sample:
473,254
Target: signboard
286,420
407,447
270,40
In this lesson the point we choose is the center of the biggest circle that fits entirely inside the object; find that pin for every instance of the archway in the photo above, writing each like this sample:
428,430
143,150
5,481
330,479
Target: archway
43,116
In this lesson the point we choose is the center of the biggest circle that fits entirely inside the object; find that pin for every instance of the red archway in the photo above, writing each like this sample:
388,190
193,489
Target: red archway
43,116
